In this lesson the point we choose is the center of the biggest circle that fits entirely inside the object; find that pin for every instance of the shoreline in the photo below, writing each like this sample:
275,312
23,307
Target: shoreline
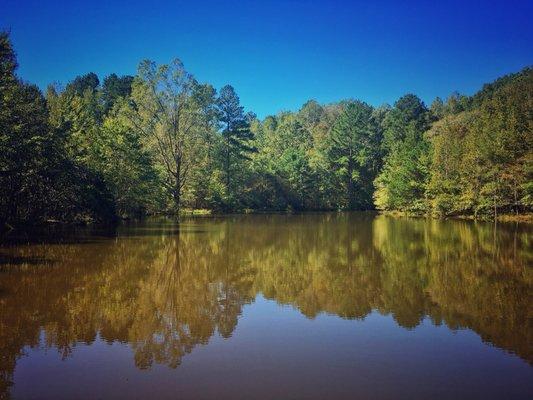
519,218
526,218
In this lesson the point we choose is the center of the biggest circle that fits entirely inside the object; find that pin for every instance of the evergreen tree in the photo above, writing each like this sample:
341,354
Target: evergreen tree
402,183
114,88
352,146
236,133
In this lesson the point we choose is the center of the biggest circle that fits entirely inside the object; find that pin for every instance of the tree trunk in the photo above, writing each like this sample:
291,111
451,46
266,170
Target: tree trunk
350,185
495,209
516,198
176,197
177,186
227,162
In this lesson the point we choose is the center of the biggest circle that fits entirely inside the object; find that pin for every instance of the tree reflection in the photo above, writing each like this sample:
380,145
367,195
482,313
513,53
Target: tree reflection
165,292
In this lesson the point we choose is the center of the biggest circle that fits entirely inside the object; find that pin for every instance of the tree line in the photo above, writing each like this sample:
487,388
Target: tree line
161,141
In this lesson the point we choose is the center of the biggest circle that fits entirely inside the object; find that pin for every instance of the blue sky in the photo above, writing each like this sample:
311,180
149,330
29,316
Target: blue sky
278,54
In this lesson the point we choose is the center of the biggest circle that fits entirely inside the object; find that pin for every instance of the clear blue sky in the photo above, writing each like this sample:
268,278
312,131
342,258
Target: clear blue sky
278,54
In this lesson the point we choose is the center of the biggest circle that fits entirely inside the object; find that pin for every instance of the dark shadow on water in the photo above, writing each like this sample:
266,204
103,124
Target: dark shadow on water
21,260
76,234
55,234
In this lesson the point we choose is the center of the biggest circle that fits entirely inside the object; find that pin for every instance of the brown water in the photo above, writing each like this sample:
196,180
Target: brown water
270,307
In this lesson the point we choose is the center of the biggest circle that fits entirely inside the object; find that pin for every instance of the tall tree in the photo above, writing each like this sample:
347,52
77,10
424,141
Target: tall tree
27,148
403,181
408,113
204,180
165,112
352,147
236,132
287,155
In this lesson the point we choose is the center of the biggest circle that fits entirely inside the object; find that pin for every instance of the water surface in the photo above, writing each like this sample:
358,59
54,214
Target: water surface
314,306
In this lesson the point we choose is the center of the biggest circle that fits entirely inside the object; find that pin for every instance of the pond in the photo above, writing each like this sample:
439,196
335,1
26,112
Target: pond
312,306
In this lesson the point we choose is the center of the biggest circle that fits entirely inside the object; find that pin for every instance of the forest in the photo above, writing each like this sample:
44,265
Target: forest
160,142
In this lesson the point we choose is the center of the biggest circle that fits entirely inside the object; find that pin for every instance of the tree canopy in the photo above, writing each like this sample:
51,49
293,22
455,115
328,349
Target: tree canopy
160,141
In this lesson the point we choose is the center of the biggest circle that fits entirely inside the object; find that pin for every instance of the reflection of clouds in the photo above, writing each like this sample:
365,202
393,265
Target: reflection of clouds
165,294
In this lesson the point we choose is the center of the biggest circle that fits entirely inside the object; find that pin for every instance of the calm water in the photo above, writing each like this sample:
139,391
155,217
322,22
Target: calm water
270,307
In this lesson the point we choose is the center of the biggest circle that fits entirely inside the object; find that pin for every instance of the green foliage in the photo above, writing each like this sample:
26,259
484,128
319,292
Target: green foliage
26,149
82,83
284,157
115,88
235,146
352,148
482,158
39,177
160,141
128,169
401,185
